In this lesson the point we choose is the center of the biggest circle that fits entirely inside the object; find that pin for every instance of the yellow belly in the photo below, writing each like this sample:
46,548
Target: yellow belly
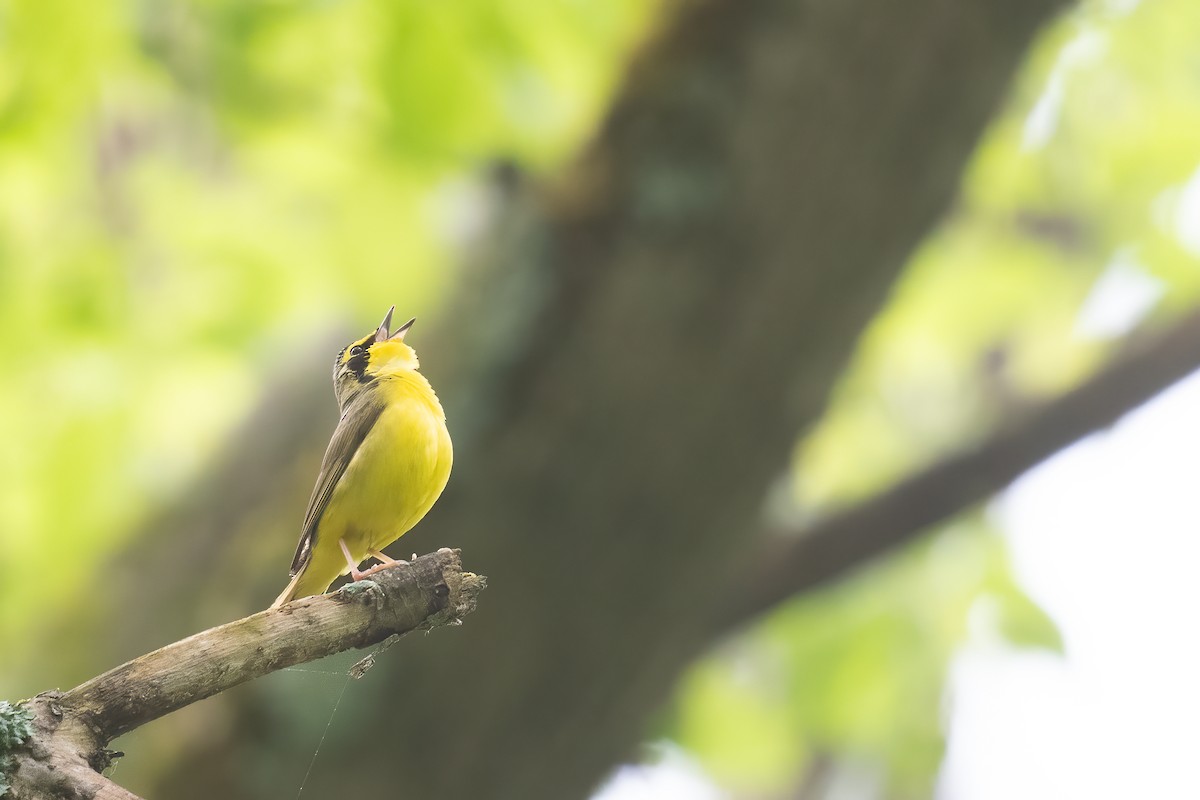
395,477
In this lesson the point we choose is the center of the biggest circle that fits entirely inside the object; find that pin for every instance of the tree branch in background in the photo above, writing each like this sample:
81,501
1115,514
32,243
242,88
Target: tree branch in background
630,363
67,746
626,369
845,540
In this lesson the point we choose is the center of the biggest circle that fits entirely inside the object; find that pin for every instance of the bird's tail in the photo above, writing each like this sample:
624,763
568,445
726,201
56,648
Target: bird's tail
289,593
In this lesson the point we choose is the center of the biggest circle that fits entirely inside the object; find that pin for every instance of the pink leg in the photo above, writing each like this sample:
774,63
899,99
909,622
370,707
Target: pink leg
358,575
354,573
386,560
387,563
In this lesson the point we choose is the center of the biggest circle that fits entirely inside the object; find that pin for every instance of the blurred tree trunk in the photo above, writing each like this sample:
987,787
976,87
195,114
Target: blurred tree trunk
627,370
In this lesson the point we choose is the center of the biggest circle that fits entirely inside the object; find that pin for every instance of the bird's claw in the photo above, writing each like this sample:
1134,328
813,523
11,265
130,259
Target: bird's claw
359,575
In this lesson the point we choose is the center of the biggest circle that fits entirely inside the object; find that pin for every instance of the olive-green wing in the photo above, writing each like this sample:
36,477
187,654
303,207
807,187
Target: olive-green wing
356,422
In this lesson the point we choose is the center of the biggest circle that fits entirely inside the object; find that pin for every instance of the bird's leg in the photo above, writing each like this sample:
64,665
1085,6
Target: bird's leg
354,573
357,574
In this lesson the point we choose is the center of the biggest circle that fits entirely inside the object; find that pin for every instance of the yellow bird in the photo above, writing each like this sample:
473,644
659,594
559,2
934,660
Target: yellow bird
385,466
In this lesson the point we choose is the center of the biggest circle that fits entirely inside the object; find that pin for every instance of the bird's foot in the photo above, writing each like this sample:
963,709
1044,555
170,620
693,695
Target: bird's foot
386,562
389,564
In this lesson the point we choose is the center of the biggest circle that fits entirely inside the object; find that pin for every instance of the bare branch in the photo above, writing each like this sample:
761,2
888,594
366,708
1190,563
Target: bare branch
797,561
71,730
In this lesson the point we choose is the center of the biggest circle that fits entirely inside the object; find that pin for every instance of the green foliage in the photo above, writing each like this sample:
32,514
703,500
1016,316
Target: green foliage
1084,169
857,671
193,194
187,188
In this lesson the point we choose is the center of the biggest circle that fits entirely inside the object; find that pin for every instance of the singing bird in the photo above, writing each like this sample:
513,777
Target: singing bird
385,466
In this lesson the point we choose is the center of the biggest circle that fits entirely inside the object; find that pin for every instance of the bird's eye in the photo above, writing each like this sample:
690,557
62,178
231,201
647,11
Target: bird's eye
356,350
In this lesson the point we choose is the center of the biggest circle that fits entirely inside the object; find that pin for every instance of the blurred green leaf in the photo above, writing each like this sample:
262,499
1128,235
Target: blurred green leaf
188,186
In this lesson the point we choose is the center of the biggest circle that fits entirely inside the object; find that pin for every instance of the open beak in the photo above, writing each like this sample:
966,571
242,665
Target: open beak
403,329
382,333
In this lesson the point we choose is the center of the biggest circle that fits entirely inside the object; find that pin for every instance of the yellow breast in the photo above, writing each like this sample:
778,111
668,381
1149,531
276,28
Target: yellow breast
395,477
